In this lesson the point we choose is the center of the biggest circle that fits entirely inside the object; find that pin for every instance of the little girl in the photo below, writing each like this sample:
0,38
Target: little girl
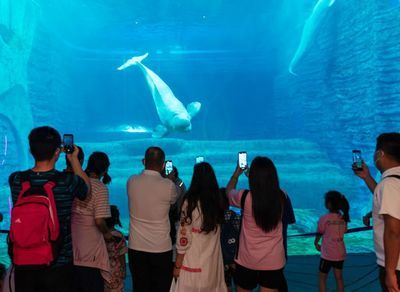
116,252
332,227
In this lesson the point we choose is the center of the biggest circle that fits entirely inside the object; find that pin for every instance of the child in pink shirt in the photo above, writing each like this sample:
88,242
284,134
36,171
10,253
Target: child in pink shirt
331,228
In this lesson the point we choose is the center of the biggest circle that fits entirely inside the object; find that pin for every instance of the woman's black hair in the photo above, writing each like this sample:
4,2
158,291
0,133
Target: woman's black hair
224,199
204,193
335,202
98,164
114,219
267,197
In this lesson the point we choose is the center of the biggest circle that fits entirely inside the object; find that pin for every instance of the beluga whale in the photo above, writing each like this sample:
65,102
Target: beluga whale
174,116
309,30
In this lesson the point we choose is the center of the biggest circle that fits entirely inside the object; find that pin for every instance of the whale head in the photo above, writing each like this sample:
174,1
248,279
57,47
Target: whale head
180,123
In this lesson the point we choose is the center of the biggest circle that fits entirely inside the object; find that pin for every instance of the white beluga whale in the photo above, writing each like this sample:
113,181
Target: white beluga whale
309,29
173,115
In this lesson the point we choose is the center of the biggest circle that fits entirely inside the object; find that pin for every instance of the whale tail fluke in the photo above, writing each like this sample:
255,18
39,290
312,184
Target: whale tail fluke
193,108
159,132
133,61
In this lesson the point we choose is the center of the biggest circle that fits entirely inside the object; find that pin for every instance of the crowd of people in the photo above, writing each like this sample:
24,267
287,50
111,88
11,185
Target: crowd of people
184,240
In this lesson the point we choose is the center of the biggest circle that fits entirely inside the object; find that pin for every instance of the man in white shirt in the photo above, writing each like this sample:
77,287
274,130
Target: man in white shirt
150,249
386,209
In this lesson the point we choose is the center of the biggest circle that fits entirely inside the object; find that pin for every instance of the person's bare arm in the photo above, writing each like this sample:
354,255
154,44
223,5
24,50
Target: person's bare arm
77,168
178,264
234,179
103,228
316,242
365,175
391,240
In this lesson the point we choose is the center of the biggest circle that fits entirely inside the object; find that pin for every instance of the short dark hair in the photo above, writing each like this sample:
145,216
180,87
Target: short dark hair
81,157
389,143
154,157
43,142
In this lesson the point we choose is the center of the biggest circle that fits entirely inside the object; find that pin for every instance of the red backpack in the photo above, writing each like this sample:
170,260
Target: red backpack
34,225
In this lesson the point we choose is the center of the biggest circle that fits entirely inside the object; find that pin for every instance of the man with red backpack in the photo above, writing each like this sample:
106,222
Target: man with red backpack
40,233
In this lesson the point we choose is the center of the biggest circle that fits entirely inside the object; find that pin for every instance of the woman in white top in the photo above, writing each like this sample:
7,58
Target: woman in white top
199,265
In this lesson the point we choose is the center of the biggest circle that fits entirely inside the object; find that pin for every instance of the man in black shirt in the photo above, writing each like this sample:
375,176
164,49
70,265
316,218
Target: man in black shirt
45,147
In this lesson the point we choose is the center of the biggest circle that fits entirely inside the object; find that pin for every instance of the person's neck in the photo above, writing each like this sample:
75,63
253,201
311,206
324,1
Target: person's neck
43,166
389,165
153,169
93,175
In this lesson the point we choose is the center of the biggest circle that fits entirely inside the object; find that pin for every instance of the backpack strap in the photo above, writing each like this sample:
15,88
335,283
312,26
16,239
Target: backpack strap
25,183
394,175
242,201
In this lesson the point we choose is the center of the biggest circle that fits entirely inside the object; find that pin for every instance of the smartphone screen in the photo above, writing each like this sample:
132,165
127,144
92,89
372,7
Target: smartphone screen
242,159
357,159
68,141
168,167
199,159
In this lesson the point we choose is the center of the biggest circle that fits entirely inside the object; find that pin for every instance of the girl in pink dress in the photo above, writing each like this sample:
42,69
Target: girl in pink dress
331,228
116,252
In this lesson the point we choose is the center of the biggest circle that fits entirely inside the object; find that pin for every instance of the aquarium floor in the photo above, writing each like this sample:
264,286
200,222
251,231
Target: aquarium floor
360,274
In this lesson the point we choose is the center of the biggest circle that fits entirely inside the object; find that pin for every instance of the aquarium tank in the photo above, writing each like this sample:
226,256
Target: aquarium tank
303,82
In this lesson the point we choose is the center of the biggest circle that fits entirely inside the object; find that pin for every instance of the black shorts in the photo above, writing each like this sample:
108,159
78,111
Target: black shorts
250,279
325,265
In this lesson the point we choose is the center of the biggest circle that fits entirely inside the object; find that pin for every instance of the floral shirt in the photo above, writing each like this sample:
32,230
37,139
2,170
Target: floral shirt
116,250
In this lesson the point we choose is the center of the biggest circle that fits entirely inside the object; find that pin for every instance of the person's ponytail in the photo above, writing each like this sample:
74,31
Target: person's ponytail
106,179
345,208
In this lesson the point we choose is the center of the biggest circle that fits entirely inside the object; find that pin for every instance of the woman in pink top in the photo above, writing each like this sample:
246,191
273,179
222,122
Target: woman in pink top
331,228
261,256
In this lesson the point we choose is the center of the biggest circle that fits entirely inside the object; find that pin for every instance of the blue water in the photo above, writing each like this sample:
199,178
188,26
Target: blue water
58,66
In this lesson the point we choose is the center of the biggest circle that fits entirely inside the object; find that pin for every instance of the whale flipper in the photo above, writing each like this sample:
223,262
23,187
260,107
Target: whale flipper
133,61
160,131
193,108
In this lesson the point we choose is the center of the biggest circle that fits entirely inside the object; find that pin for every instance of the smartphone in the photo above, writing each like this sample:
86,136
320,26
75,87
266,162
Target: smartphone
242,159
168,167
199,159
357,159
68,142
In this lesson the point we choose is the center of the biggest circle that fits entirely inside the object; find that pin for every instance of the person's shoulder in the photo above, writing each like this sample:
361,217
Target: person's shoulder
325,217
14,177
134,177
97,185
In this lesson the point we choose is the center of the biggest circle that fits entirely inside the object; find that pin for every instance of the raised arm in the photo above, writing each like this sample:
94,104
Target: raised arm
365,175
77,168
234,179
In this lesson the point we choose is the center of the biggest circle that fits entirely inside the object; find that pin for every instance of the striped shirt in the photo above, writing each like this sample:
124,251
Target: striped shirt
68,186
97,204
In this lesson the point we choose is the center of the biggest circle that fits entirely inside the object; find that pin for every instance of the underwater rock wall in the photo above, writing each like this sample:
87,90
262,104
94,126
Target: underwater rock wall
17,27
347,89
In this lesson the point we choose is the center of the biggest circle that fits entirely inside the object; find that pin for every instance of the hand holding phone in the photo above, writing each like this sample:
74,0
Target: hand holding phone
168,167
68,143
357,160
242,159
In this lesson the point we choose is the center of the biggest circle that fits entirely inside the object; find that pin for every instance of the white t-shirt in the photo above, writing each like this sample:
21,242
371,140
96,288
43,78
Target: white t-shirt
150,198
386,202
